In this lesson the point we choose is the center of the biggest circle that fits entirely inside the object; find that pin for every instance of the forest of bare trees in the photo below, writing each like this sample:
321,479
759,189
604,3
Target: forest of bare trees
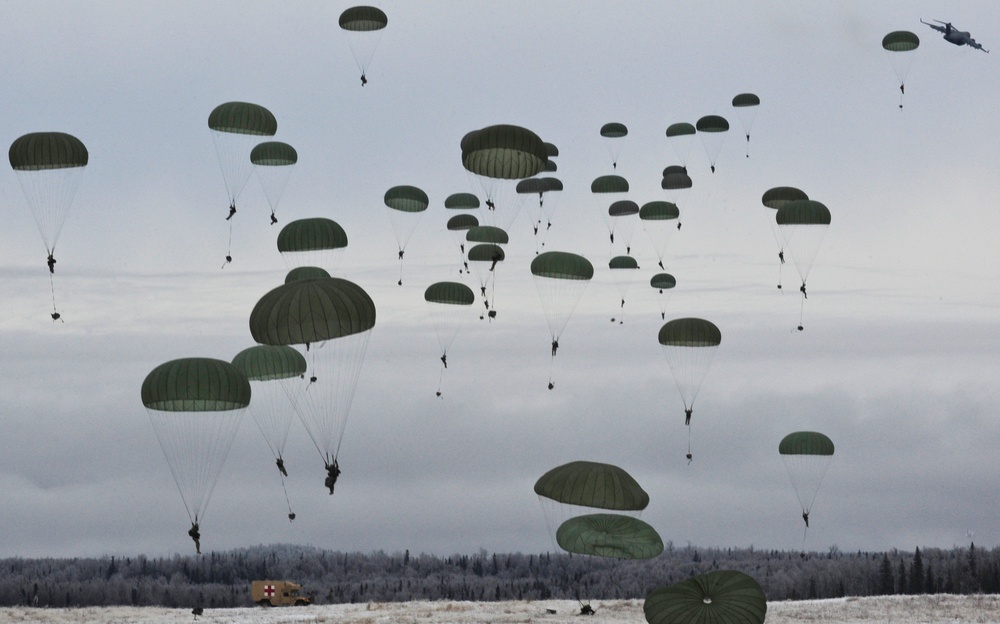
222,579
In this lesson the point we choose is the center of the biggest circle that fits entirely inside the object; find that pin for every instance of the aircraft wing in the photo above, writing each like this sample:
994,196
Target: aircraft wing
935,26
972,44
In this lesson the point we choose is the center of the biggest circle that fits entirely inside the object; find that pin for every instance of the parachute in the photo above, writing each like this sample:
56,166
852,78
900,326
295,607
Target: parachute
592,484
720,596
484,258
496,156
689,345
622,219
622,271
664,283
448,304
276,378
659,219
333,318
273,161
712,129
461,201
459,225
405,204
363,26
305,272
807,455
609,535
487,234
196,406
560,277
606,190
775,198
236,128
676,182
898,45
48,166
680,136
316,242
543,210
803,224
613,132
746,108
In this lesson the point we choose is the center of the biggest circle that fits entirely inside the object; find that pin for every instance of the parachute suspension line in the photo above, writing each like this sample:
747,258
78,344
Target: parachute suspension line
440,380
802,307
400,282
52,286
229,248
291,514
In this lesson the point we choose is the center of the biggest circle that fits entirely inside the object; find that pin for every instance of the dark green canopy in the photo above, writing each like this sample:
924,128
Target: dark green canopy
690,332
592,484
614,130
487,234
900,41
38,151
503,151
461,201
712,123
486,252
273,154
462,222
311,234
195,385
720,597
609,535
305,272
780,195
267,362
663,281
528,186
675,181
680,129
313,310
562,265
243,118
363,19
551,150
669,169
406,199
609,184
454,293
623,208
659,211
745,99
623,262
803,212
805,443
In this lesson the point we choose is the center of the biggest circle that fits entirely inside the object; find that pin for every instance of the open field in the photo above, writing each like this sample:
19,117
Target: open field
936,609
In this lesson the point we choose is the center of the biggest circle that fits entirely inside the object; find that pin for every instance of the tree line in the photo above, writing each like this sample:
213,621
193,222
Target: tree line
222,579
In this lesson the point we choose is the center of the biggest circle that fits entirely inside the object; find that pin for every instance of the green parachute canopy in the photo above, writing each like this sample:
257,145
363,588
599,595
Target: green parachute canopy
805,443
745,99
562,265
614,130
487,234
406,199
690,332
273,154
486,252
676,181
461,222
268,362
305,272
551,150
803,212
722,596
712,123
311,234
680,129
609,535
663,281
39,151
310,311
659,211
592,484
461,201
780,195
363,19
623,208
623,262
450,293
242,118
609,184
504,152
195,385
900,41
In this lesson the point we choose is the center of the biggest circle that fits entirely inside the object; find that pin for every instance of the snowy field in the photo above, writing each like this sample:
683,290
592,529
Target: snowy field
934,609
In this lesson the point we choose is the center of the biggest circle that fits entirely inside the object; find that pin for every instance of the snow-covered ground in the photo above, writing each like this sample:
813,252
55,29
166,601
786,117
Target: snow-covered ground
935,609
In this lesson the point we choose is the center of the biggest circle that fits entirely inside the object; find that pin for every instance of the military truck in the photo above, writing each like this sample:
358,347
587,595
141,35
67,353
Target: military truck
277,594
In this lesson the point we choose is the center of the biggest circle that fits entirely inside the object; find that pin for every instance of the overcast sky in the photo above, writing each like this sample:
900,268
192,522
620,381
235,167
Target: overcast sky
897,364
